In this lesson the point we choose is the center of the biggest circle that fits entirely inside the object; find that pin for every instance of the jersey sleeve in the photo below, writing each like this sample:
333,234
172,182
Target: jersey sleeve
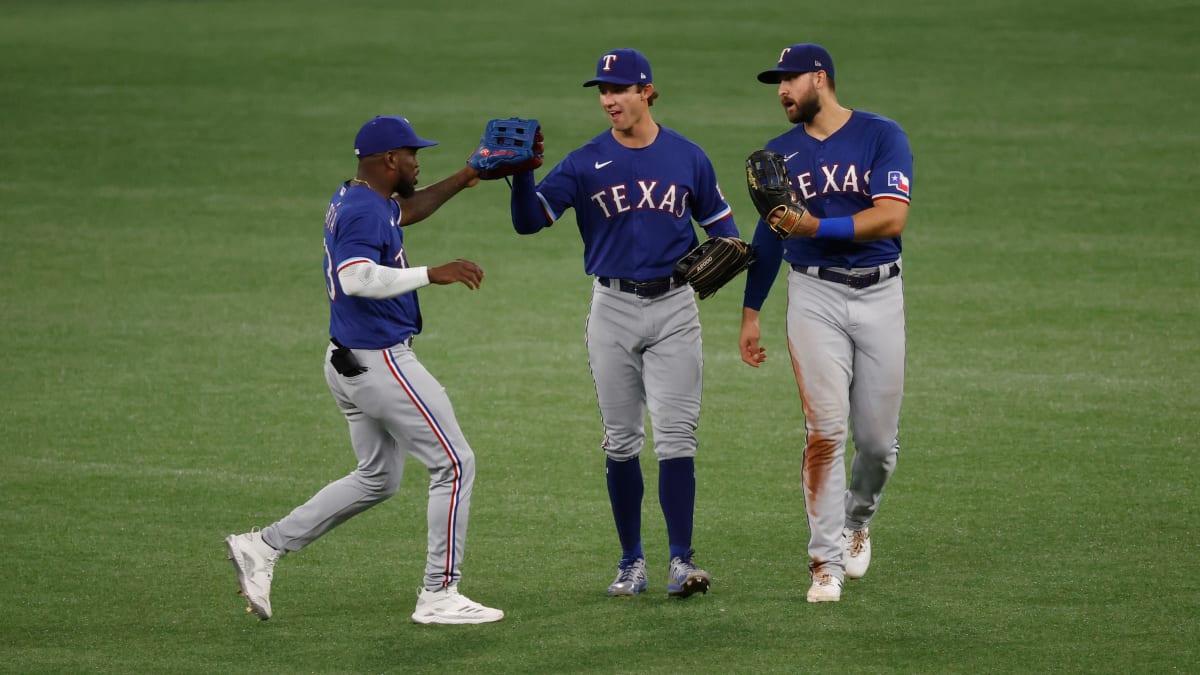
556,192
357,237
711,205
891,172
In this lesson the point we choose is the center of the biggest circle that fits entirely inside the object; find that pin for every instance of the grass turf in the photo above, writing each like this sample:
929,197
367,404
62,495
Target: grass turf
164,171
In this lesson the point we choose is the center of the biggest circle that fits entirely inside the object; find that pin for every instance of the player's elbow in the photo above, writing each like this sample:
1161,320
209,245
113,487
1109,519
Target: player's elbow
526,227
891,228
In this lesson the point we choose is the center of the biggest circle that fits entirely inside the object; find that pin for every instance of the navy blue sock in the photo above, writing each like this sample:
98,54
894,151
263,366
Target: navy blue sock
625,489
677,495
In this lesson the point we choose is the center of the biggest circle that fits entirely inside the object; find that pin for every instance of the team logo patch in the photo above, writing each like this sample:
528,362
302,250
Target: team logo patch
898,180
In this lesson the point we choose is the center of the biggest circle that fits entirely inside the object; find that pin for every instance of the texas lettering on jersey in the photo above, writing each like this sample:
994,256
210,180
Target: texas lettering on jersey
617,199
836,179
833,178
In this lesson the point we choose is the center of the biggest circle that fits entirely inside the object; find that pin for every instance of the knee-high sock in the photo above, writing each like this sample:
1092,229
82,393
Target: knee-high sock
677,495
625,489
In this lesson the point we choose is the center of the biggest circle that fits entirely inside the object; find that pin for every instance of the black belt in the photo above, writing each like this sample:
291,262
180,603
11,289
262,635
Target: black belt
852,280
651,288
407,342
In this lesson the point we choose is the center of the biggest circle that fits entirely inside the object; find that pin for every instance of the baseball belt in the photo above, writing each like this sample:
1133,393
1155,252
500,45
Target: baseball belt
863,280
651,288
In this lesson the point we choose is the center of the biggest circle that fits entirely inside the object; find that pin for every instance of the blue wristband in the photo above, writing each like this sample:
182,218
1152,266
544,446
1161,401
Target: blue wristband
836,228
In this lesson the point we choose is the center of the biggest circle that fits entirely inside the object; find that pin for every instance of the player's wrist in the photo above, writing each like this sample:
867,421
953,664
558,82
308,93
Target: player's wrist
835,228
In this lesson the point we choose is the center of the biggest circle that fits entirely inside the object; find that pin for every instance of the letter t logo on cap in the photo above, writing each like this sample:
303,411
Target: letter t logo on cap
608,61
783,54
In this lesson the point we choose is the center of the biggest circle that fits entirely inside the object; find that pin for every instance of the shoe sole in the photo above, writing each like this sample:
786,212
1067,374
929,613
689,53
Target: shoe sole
690,586
626,594
441,620
251,607
824,599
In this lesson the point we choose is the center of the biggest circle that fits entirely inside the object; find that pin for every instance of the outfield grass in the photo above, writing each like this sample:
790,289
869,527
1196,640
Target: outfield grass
164,171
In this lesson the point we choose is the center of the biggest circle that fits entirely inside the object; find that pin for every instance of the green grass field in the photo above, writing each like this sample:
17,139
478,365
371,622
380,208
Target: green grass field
164,172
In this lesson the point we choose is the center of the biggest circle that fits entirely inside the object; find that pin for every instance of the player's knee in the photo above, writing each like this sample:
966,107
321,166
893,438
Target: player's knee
824,447
623,444
675,440
459,466
877,446
826,431
380,486
466,465
622,453
675,450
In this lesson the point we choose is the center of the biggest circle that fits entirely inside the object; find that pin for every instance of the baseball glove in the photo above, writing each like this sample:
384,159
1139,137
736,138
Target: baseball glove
771,191
507,147
713,264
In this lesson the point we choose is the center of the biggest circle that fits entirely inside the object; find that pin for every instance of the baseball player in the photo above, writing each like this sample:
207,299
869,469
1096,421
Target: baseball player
393,405
636,188
852,172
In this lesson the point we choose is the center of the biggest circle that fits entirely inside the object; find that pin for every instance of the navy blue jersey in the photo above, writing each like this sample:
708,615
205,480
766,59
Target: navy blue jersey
867,159
362,225
635,206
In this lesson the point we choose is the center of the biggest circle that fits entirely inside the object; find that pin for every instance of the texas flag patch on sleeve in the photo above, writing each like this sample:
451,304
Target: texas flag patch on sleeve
898,180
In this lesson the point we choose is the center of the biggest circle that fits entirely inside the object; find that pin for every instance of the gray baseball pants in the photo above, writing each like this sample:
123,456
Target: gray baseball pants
847,347
394,409
646,353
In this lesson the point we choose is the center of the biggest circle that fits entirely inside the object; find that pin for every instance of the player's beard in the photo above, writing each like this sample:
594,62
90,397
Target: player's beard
405,189
806,110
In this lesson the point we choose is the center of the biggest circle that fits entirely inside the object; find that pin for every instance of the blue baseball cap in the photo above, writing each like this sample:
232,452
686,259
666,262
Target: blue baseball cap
387,133
801,58
622,66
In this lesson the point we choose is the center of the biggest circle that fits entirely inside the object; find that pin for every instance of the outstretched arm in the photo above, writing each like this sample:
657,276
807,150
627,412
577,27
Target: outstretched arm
427,200
527,214
362,278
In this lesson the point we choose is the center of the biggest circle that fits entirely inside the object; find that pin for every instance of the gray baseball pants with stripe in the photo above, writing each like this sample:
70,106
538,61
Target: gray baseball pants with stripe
847,347
394,409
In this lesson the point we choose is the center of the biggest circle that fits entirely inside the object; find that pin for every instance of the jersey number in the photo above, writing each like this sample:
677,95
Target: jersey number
330,285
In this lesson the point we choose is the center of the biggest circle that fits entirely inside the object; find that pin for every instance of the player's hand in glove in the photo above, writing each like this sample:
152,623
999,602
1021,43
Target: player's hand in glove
508,146
771,191
714,263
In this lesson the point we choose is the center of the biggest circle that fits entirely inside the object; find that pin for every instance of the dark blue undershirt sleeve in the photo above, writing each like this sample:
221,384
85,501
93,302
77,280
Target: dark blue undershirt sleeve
527,214
768,254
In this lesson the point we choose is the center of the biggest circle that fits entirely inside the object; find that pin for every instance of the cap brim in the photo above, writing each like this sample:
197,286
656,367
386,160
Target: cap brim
773,76
423,143
606,80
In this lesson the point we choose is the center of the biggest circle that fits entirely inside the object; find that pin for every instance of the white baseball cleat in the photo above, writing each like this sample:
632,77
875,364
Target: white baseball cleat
631,578
450,606
686,579
825,588
254,561
856,552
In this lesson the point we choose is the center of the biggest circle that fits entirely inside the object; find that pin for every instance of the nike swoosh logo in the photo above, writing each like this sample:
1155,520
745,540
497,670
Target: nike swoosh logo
790,156
601,165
